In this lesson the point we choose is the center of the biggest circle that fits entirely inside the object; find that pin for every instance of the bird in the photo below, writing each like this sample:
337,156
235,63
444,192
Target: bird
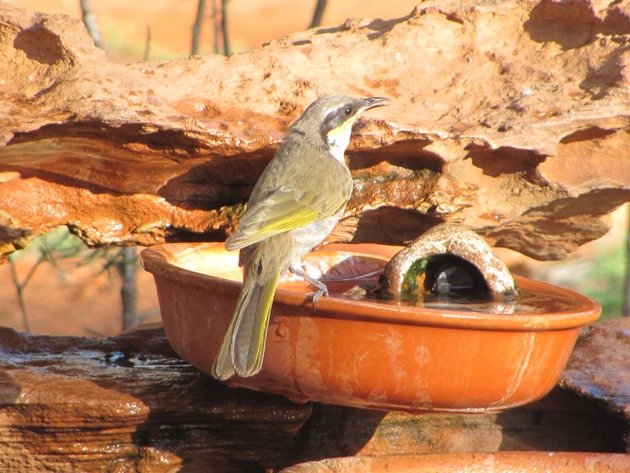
295,204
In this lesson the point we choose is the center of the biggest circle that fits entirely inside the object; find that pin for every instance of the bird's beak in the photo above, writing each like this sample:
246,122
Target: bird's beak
372,102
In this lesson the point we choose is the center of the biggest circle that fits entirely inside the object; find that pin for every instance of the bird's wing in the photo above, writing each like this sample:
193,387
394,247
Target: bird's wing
281,211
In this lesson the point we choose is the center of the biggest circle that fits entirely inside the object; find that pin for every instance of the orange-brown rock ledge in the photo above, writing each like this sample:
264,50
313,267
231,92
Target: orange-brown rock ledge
128,403
510,116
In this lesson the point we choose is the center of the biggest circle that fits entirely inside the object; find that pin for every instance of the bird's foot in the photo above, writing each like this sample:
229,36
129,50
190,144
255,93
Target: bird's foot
322,289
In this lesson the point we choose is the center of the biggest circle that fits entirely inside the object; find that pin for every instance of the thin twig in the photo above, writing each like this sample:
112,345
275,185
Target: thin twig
49,255
147,44
20,286
20,296
196,29
129,290
626,302
89,20
224,28
216,23
31,272
318,14
95,333
49,248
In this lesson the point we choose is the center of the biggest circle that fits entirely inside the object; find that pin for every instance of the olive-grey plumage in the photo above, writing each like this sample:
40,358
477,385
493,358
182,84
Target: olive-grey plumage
295,204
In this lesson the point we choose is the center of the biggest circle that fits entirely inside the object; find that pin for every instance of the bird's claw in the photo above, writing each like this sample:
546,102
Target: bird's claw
321,291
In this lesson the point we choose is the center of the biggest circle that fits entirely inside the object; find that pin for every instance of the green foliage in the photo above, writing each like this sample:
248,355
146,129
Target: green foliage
56,243
604,281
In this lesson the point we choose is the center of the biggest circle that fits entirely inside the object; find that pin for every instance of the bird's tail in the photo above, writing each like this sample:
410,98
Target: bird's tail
243,346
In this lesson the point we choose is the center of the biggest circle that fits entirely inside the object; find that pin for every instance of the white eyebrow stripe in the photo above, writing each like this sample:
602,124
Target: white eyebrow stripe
329,110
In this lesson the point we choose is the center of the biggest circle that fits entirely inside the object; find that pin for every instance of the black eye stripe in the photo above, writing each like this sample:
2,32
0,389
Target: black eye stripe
336,117
339,113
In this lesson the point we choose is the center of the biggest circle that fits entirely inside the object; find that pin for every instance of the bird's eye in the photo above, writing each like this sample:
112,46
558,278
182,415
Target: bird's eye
347,111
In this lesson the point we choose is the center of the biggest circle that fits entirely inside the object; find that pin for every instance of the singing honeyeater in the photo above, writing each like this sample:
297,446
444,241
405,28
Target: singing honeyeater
295,204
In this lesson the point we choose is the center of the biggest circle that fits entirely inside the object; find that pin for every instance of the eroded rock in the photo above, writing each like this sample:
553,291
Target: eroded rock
599,366
512,117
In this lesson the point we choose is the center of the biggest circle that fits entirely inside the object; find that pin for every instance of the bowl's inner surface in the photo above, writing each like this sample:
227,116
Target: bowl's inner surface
343,270
328,266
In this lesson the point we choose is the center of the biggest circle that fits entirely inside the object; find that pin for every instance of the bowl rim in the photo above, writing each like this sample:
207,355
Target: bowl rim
156,260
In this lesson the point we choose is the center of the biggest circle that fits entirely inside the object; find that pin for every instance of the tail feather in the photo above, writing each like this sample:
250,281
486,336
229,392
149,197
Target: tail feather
250,331
243,347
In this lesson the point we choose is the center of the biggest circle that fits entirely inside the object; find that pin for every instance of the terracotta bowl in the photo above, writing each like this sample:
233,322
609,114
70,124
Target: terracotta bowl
367,354
500,462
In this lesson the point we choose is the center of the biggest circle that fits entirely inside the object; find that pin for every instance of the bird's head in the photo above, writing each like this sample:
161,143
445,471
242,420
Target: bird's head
331,117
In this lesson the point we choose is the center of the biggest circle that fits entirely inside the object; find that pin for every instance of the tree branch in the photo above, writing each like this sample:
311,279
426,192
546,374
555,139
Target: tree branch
196,29
318,14
91,24
224,28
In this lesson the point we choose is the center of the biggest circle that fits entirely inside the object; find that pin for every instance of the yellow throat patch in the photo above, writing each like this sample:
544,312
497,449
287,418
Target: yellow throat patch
339,138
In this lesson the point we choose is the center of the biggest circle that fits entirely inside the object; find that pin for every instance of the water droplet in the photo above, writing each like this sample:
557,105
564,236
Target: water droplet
115,357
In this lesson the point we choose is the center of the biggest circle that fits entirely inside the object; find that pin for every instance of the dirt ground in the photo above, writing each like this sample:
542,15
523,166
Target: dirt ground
78,300
250,22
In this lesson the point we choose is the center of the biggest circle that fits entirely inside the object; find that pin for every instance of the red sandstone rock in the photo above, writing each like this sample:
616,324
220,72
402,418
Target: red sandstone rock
599,365
512,117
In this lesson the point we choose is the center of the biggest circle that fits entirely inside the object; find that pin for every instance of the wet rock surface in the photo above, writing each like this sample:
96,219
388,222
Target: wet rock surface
128,403
599,365
511,116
